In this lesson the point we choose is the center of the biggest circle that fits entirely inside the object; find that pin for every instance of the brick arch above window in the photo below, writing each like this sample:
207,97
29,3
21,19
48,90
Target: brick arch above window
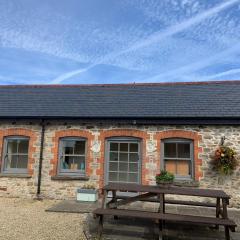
71,133
183,134
21,132
133,133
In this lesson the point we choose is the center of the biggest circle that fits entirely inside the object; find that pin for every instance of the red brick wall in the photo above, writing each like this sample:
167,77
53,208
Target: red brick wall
21,132
71,133
183,134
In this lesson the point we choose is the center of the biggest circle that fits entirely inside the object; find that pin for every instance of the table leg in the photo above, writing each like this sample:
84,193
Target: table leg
104,198
114,194
161,210
227,234
225,215
160,230
218,209
100,227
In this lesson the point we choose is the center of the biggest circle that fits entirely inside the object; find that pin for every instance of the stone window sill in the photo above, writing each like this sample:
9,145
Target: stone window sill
15,175
186,183
70,178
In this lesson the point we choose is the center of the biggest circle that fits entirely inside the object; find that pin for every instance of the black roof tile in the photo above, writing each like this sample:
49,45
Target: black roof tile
178,100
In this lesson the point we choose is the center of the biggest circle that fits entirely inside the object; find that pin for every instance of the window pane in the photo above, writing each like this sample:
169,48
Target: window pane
133,167
80,162
171,166
133,157
113,146
113,177
184,150
12,146
11,161
123,157
123,167
73,163
124,147
133,177
123,177
113,166
170,150
67,162
22,161
133,147
79,147
183,168
68,146
23,146
113,156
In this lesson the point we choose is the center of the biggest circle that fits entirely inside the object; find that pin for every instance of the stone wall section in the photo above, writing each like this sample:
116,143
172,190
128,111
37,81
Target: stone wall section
206,139
14,185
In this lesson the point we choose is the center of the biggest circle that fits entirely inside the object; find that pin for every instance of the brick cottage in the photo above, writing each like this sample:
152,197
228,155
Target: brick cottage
55,139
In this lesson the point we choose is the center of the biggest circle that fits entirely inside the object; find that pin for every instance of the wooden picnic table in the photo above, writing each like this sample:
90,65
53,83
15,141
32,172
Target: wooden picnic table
148,193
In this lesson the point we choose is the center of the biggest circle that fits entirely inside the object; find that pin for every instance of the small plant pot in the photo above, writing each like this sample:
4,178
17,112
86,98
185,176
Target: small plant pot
164,184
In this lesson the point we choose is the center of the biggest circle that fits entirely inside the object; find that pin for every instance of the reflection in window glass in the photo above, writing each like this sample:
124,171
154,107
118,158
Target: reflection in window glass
72,156
178,158
170,150
124,163
16,154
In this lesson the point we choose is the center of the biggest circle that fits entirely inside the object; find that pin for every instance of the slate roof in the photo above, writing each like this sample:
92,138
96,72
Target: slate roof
167,100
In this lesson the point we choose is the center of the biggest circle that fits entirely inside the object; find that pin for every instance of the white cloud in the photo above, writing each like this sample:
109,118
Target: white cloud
221,74
155,37
192,67
190,31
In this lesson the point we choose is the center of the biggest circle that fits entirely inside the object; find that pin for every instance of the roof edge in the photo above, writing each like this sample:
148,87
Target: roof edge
121,84
135,121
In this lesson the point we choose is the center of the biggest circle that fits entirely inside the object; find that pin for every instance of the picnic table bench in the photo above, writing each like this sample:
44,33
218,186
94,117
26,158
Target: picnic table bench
157,194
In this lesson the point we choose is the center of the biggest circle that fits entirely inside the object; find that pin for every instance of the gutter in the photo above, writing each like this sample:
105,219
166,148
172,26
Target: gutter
38,194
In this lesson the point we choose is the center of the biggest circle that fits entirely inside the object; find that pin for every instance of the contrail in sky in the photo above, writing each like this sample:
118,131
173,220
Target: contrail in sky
153,38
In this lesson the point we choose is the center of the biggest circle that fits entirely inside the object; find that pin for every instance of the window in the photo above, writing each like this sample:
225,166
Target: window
178,157
123,157
72,156
15,155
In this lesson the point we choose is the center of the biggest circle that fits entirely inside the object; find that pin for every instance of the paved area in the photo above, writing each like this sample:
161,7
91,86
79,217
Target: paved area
135,229
72,206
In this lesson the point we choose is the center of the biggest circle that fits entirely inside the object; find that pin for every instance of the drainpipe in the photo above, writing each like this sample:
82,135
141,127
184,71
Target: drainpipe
38,197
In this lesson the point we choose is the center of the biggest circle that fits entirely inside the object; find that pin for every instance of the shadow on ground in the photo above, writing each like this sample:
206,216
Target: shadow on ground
136,229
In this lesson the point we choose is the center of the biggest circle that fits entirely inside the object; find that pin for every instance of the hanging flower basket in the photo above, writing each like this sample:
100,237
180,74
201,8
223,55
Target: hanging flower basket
224,160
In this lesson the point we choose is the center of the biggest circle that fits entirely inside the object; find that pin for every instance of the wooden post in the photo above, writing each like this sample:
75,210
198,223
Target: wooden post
105,192
114,196
218,209
161,210
225,215
100,227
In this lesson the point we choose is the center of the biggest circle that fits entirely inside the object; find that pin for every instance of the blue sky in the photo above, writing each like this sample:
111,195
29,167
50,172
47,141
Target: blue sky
111,41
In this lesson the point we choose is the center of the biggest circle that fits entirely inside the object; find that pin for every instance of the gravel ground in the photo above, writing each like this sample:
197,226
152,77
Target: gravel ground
23,219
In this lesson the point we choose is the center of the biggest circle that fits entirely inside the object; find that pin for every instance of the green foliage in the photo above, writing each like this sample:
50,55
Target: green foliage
164,176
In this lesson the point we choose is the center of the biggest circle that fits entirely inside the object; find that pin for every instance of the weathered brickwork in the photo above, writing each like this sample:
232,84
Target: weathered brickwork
205,139
14,185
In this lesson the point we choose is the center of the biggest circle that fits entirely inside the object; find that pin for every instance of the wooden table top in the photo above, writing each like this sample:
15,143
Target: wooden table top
129,187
